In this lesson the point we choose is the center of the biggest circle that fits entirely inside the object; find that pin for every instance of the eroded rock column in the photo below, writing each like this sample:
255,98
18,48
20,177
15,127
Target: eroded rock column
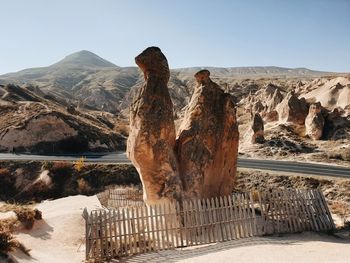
207,143
151,141
314,122
258,129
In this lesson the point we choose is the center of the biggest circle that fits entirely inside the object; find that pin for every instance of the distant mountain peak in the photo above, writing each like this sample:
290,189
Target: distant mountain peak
84,58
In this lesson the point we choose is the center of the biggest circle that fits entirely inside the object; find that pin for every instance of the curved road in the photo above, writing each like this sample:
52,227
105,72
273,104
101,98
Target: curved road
283,166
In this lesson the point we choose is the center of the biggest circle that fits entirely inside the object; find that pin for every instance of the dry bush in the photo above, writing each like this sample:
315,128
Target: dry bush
60,173
9,223
61,167
8,243
78,165
7,182
4,172
83,186
27,216
255,195
47,165
340,208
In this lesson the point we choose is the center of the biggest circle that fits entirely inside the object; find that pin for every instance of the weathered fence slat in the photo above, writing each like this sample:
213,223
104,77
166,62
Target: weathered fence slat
132,228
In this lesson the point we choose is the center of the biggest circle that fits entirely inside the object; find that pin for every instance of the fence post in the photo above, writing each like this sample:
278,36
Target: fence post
85,215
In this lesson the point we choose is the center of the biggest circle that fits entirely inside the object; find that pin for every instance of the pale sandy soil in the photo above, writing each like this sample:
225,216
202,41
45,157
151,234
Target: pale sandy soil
306,247
59,237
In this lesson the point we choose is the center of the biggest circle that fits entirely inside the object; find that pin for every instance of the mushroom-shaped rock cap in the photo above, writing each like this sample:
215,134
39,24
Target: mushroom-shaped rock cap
202,76
152,62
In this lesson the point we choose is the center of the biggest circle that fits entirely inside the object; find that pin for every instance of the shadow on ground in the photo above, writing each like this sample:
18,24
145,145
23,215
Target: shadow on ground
190,252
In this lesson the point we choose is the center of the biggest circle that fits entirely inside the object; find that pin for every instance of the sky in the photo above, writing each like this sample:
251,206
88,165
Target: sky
297,33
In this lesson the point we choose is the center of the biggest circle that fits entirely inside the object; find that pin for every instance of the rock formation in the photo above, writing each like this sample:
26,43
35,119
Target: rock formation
258,107
270,116
270,89
30,122
336,126
207,144
292,109
202,162
151,140
274,100
314,122
258,129
330,92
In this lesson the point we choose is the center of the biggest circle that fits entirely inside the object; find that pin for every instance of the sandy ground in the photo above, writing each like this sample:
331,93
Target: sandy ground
59,237
306,247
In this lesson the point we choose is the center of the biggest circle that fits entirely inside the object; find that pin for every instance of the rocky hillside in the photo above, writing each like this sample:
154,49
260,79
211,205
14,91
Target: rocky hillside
306,120
89,81
330,92
88,97
35,122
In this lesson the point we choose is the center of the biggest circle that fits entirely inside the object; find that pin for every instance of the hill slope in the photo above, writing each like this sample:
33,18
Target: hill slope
88,80
34,122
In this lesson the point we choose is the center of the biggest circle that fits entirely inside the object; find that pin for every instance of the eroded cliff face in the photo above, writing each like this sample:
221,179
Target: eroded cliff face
208,141
151,140
203,161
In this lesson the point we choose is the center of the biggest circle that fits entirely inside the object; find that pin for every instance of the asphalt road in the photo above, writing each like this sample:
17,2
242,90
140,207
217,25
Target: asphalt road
283,166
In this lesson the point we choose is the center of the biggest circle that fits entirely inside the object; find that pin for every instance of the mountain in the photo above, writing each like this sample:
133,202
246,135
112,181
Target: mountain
84,59
87,80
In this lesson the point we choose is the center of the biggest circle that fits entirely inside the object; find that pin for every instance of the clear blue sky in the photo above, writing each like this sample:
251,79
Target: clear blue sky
296,33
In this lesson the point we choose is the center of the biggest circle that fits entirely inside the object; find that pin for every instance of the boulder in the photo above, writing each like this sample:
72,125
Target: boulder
258,129
207,144
292,109
314,122
151,140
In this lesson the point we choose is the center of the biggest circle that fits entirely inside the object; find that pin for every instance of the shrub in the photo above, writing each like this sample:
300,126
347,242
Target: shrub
78,165
60,172
342,209
83,186
27,216
8,243
47,165
7,182
62,168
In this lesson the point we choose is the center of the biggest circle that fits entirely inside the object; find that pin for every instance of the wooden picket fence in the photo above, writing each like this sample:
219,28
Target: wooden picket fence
116,198
126,231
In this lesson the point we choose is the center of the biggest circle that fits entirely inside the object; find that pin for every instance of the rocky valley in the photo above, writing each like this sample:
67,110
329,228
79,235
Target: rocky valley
282,113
